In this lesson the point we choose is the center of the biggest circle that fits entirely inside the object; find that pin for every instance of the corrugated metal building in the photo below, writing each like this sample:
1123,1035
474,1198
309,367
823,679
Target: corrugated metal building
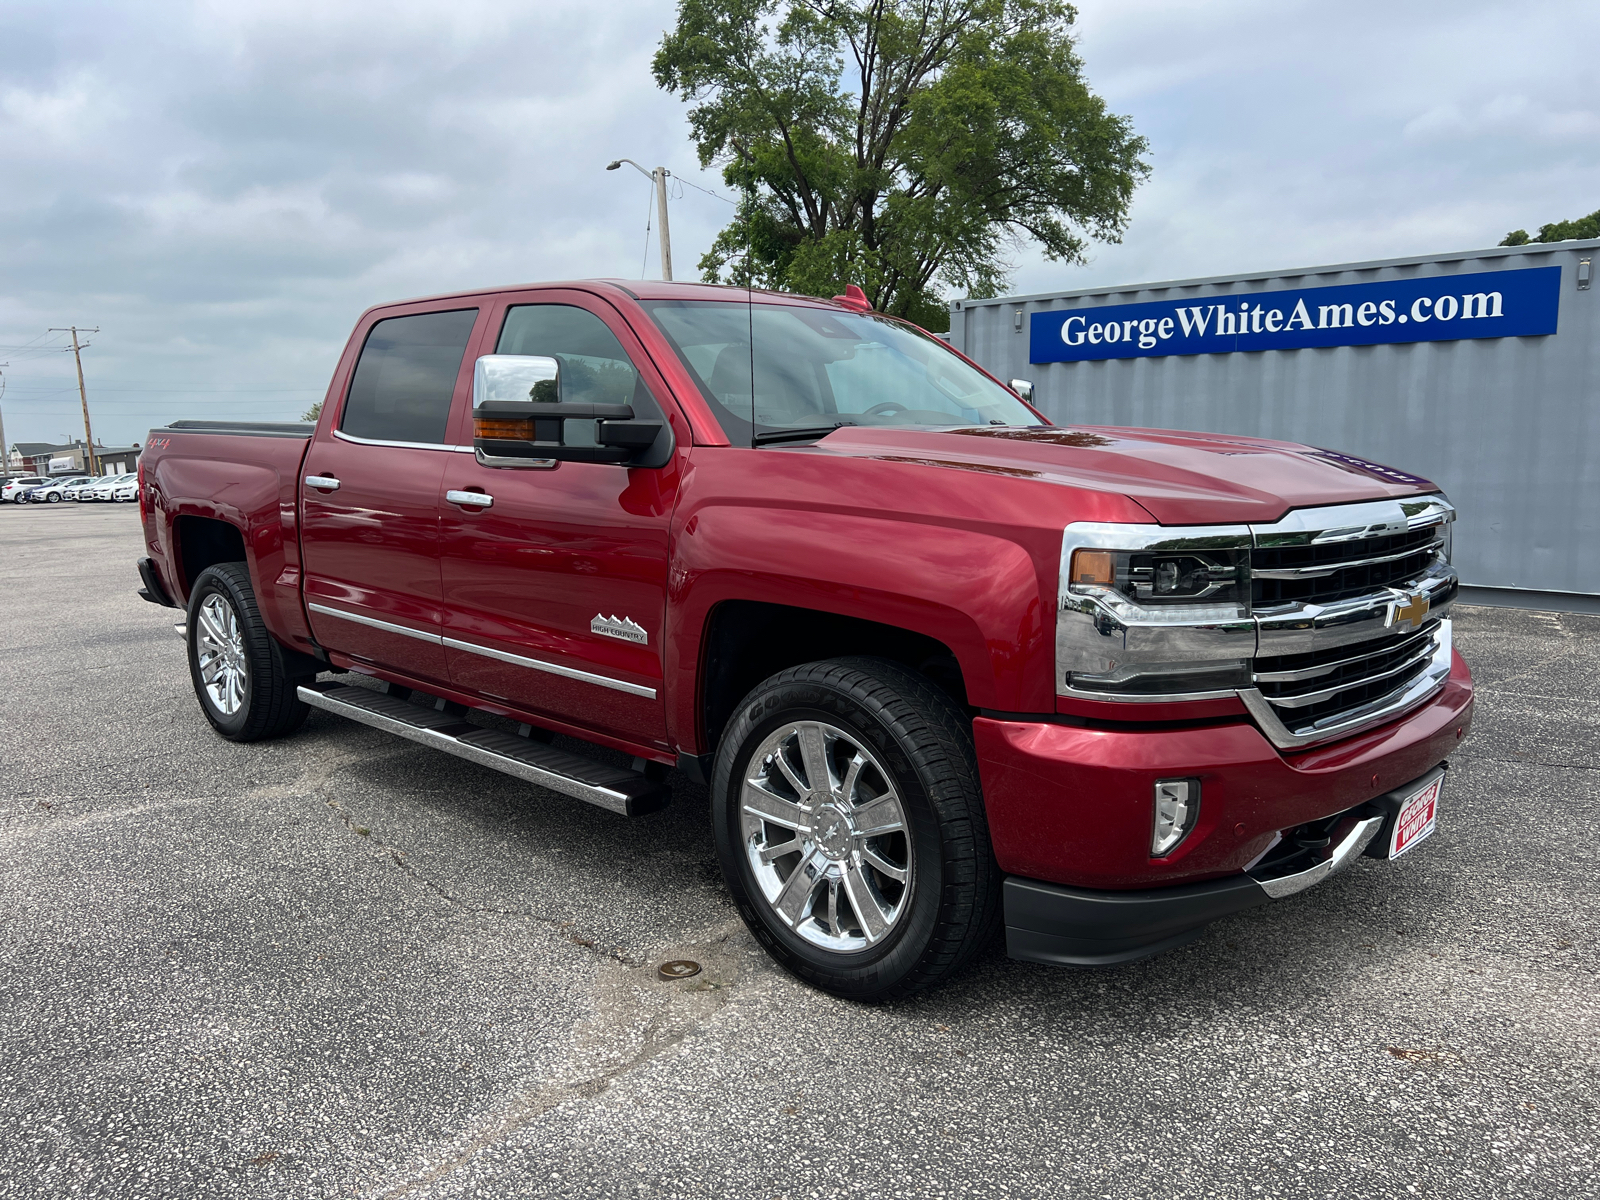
1479,370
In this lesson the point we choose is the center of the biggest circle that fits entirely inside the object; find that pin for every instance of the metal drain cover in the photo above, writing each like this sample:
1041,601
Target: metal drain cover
678,968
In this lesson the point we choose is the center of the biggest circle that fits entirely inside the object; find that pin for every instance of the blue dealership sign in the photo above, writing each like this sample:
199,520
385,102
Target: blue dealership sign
1483,304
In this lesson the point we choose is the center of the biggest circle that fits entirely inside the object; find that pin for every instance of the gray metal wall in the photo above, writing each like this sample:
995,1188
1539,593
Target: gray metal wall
1509,427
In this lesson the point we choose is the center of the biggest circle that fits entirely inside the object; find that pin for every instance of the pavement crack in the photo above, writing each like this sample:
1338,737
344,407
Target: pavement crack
672,1013
401,861
1524,762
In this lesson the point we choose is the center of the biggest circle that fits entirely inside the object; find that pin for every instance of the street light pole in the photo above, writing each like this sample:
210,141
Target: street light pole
658,180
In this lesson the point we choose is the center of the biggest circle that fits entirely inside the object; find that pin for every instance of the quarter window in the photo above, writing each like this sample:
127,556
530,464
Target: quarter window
406,377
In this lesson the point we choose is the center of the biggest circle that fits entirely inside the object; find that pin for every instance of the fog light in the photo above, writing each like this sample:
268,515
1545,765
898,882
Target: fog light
1177,806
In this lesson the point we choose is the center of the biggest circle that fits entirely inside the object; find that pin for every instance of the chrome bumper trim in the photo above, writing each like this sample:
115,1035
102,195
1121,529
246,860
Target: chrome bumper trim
1354,843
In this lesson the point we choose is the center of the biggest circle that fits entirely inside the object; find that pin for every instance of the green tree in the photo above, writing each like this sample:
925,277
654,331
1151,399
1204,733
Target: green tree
1558,231
898,144
313,413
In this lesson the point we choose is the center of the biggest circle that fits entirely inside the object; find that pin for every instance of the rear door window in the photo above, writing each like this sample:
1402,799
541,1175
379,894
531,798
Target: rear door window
406,377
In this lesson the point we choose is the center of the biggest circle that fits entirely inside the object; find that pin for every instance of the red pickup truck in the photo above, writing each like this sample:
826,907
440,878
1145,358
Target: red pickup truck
942,664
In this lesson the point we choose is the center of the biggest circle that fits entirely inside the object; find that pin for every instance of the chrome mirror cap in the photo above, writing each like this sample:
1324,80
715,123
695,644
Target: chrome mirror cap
1023,388
521,377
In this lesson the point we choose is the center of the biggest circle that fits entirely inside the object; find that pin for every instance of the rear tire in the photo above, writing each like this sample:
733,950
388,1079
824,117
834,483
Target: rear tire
240,673
879,880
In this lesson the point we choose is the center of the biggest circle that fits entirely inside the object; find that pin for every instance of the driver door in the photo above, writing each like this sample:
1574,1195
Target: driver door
555,575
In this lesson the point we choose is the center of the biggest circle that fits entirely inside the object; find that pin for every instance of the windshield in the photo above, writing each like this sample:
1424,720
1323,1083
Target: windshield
819,368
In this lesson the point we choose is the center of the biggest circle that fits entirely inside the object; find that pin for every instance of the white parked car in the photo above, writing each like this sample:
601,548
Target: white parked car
80,491
55,491
127,489
105,489
20,484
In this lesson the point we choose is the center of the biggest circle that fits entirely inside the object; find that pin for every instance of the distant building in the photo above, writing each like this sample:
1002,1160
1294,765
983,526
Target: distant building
45,458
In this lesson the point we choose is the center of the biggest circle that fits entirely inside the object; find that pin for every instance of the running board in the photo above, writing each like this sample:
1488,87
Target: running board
612,788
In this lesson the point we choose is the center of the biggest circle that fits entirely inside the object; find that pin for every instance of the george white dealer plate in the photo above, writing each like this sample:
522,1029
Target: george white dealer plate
1416,820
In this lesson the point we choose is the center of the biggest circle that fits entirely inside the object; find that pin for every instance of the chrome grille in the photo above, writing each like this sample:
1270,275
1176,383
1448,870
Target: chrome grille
1351,606
1307,688
1321,574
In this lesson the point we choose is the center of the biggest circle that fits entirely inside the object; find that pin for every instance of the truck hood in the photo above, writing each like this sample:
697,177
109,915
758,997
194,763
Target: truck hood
1179,478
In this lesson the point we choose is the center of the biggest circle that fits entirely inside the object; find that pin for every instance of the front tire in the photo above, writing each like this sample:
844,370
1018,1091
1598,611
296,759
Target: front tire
239,672
850,827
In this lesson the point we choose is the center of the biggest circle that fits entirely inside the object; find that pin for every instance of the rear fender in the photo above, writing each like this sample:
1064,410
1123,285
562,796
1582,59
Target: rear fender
258,501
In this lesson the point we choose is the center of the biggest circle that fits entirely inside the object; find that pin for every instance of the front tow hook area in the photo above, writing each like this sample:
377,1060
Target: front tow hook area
1082,927
1278,882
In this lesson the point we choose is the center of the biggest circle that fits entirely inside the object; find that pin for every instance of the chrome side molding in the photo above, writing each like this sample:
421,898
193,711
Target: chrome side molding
518,660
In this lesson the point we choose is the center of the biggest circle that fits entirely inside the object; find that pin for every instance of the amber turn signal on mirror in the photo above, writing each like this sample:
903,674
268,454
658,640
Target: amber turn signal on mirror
508,429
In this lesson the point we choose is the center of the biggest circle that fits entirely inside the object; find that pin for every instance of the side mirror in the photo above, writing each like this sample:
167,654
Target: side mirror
519,418
1023,388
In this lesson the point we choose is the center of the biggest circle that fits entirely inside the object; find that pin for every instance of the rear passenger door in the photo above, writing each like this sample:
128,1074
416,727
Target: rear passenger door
370,496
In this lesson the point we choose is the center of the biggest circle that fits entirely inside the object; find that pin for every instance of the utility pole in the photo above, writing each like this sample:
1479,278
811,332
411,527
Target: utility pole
83,395
658,180
5,452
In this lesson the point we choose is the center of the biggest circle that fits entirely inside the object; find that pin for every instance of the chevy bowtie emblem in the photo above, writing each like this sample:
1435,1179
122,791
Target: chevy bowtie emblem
1408,612
625,628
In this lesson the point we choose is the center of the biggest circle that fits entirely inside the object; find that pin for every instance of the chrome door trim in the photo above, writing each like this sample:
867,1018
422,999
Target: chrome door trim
386,626
534,664
361,441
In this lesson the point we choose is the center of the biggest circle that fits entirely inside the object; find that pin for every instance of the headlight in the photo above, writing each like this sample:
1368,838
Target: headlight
1161,577
1149,612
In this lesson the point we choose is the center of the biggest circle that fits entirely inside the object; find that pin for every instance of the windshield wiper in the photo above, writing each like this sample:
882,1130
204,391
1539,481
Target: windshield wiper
796,435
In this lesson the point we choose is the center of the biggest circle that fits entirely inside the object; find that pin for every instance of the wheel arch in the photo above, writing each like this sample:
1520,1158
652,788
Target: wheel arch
203,542
746,641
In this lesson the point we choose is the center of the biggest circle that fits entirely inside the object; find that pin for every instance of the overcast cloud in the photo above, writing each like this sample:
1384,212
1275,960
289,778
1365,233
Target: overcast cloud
223,187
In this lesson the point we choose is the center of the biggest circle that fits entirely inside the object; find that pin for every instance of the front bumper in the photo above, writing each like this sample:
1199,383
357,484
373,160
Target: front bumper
1070,804
1078,927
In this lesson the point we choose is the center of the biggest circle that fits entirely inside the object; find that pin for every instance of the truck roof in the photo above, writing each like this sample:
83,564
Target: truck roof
637,289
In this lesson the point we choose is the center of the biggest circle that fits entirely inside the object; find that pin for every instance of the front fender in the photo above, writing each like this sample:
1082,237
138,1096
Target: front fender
978,594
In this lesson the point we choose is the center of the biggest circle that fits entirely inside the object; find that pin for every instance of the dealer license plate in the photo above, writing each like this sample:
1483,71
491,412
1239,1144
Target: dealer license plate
1416,819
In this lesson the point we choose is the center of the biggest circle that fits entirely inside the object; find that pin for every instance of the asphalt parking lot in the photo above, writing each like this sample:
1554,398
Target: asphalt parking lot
343,965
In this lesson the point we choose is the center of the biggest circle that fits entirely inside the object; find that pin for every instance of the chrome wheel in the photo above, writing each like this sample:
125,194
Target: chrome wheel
826,837
219,650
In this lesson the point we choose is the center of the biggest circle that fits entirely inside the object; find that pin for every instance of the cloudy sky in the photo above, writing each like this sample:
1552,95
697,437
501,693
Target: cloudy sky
223,186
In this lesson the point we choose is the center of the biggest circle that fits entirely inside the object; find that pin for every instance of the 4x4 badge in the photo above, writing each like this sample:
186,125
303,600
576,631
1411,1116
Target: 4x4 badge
1408,611
626,628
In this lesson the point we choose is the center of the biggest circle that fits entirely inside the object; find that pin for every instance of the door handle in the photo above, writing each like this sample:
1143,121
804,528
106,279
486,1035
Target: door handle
470,499
327,482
